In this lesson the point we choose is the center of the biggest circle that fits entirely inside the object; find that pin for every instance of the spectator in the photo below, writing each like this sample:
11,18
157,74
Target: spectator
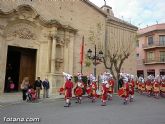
24,87
38,87
46,87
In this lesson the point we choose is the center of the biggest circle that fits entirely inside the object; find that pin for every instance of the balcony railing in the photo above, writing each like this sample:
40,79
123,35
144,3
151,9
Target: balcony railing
157,60
154,45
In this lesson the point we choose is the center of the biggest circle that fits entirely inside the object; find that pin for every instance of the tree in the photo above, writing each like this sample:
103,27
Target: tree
116,52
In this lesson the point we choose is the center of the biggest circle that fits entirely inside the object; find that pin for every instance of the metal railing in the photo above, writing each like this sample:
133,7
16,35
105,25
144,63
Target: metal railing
154,44
154,60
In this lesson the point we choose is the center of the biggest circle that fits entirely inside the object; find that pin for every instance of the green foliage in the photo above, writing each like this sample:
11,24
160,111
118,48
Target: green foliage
84,79
87,61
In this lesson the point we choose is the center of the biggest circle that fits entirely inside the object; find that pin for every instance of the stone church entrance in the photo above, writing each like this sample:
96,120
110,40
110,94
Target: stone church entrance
21,62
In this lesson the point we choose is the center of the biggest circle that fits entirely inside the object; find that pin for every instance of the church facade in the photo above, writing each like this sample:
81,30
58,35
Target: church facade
43,38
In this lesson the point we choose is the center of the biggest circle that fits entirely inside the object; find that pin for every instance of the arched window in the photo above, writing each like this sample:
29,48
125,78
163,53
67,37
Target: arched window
107,10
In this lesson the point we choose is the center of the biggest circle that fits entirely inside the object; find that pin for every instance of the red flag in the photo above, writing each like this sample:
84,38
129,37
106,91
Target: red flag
82,51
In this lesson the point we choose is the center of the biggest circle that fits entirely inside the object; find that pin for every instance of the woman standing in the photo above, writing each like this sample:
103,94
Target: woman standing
24,87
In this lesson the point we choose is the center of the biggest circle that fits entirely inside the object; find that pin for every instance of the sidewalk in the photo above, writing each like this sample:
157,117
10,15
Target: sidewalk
14,98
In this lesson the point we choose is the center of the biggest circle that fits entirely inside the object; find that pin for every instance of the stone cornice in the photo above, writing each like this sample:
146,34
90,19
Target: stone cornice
36,16
118,21
95,7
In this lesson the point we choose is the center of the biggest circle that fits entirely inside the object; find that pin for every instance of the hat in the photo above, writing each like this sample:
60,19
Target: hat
67,76
94,79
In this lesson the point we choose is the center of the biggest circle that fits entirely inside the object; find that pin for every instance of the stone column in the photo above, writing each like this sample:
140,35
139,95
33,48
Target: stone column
71,51
66,52
3,60
53,54
49,54
52,46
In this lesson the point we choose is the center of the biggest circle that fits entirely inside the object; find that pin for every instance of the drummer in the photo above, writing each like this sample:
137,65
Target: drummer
79,88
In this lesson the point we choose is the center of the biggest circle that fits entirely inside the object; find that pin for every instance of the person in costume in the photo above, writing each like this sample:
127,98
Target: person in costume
104,87
136,83
124,90
131,87
111,83
93,88
79,88
162,86
141,86
148,86
68,85
156,87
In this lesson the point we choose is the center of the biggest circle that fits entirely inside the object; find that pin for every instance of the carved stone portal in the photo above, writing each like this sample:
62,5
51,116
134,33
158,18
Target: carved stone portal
22,31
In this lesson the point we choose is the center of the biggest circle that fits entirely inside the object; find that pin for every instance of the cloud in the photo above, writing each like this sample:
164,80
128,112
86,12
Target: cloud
138,12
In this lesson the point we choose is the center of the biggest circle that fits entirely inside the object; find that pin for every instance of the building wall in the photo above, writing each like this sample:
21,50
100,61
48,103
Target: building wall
58,28
123,36
75,14
155,31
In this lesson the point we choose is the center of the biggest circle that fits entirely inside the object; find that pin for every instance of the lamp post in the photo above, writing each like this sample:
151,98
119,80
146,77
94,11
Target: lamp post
96,58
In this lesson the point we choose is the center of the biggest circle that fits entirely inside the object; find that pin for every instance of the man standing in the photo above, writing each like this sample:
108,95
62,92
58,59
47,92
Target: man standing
46,87
38,86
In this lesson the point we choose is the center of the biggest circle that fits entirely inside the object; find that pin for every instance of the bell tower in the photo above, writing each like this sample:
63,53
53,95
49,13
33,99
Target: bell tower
107,9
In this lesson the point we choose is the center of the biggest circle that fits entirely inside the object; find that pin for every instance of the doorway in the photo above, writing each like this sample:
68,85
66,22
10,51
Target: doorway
21,62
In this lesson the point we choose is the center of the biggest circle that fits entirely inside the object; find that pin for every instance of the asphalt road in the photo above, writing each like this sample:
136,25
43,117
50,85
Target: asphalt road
144,110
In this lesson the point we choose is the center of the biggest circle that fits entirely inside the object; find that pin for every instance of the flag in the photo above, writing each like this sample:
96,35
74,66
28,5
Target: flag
82,51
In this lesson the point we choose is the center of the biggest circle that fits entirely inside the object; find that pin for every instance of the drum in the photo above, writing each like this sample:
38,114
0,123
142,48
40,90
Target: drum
88,90
61,91
121,92
78,91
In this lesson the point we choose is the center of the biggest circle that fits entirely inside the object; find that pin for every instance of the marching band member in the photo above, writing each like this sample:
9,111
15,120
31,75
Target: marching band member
93,87
131,87
139,85
162,86
111,87
143,87
79,89
124,90
156,88
136,84
68,85
104,87
148,86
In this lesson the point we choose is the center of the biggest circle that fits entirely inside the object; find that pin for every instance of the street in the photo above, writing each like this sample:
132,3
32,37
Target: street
144,110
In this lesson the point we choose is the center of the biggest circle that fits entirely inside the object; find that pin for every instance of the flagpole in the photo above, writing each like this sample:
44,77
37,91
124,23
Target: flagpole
82,53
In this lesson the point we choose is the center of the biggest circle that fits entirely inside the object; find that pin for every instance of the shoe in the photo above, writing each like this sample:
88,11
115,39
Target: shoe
67,105
103,104
131,99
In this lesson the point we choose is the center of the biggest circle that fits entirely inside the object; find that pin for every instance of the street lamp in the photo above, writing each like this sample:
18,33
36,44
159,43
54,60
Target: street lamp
97,58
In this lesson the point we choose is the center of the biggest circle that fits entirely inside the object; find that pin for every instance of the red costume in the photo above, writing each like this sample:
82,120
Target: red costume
148,87
126,90
162,87
111,86
68,89
79,89
136,85
156,88
143,88
104,94
93,88
131,87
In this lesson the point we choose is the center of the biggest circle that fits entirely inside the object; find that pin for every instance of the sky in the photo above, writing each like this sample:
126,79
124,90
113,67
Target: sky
141,13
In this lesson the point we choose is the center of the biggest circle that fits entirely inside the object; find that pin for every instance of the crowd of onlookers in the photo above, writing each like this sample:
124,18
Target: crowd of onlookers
32,92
